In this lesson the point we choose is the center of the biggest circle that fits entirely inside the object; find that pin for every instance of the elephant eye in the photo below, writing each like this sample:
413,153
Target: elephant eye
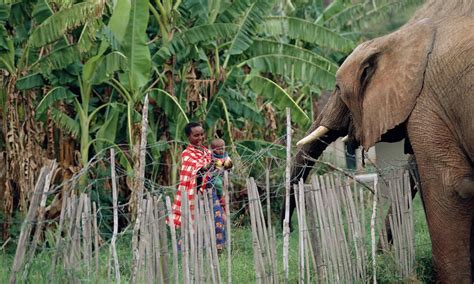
365,75
369,67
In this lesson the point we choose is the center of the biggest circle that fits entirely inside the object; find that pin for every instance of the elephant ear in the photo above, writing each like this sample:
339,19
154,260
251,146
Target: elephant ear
390,94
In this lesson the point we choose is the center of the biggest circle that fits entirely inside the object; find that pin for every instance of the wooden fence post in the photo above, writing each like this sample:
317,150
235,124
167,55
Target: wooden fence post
40,218
163,244
286,222
28,224
96,237
139,185
174,244
113,249
209,242
58,237
257,250
372,232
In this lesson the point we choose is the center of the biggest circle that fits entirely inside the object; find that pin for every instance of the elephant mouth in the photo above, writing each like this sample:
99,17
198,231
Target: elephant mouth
395,134
322,133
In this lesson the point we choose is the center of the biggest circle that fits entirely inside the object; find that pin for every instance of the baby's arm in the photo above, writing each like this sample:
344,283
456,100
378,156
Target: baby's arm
228,163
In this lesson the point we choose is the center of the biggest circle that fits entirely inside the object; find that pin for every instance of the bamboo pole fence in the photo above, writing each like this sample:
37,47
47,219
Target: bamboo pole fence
334,244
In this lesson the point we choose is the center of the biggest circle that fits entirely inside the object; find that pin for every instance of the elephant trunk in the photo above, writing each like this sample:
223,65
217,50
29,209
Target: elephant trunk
332,123
303,163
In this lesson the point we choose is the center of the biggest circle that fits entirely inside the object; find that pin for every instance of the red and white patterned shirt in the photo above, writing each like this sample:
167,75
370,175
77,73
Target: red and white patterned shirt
193,158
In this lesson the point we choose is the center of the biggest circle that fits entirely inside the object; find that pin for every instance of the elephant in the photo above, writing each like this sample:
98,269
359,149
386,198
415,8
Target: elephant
415,84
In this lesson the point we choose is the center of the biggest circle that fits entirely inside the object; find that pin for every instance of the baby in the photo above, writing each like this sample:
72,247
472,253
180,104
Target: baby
220,158
220,161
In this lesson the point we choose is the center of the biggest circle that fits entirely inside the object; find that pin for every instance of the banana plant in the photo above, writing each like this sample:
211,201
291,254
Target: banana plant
235,34
29,32
97,70
165,13
132,38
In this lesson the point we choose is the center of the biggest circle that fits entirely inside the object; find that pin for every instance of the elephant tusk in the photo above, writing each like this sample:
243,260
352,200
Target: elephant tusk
345,139
319,132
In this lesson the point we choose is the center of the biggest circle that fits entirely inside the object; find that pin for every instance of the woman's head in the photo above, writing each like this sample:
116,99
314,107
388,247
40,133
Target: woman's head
195,133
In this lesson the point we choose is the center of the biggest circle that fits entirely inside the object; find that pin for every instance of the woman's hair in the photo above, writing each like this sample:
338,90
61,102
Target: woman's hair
189,126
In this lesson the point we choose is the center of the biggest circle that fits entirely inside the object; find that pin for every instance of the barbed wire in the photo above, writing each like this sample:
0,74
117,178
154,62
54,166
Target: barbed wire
243,161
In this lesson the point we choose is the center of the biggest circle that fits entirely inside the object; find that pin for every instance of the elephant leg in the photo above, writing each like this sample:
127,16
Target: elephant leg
450,236
443,167
449,220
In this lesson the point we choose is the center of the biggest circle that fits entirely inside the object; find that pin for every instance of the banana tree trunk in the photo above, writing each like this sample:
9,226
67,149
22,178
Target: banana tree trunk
21,135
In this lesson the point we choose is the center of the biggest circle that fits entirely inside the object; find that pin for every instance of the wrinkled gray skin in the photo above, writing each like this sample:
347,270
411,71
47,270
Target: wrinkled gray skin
416,83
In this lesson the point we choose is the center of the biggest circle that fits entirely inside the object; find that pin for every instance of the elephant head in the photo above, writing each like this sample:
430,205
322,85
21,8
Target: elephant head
377,86
381,80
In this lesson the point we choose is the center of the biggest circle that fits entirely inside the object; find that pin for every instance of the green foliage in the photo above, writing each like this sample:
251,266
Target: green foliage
59,58
4,39
107,132
259,147
30,81
333,8
55,94
297,68
361,16
242,107
65,122
306,31
269,47
279,97
199,34
41,11
4,13
289,54
228,123
55,26
169,104
107,65
7,57
135,47
119,20
235,11
252,17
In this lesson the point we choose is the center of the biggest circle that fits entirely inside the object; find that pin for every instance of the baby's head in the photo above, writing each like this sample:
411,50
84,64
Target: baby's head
218,146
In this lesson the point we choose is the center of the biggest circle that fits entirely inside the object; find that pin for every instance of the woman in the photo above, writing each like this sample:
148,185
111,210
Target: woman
195,162
194,158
